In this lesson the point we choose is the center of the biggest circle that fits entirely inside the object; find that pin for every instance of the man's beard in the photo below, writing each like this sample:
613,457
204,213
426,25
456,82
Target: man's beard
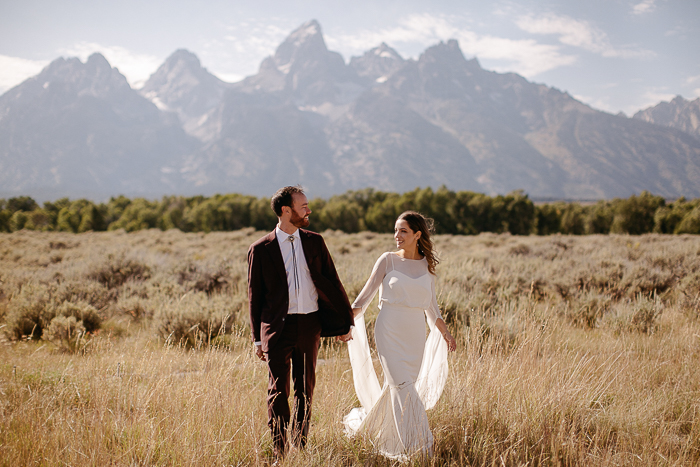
298,221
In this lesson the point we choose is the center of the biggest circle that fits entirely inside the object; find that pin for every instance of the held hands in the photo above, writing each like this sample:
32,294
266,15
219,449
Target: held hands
345,337
258,351
348,337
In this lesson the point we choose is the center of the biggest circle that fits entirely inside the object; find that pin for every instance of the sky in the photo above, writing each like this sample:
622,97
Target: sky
614,55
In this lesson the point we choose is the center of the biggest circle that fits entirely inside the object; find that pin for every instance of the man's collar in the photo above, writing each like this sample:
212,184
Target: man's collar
282,235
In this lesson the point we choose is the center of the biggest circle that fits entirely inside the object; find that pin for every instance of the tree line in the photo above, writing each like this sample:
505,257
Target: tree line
461,212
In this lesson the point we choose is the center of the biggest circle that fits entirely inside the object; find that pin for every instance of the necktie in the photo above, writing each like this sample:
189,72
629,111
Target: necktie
294,264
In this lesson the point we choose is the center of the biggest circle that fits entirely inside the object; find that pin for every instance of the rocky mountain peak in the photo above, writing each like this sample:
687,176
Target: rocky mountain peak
679,113
304,69
183,56
95,75
678,100
448,52
384,51
305,42
95,78
181,71
377,64
97,61
183,86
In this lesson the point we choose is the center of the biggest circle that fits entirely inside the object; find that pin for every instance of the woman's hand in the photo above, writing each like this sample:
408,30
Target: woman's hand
442,327
451,342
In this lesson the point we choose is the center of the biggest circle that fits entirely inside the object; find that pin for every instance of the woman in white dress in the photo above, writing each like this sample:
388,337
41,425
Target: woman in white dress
415,368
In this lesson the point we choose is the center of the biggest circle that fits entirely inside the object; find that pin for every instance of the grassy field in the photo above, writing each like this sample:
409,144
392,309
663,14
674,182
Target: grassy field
571,351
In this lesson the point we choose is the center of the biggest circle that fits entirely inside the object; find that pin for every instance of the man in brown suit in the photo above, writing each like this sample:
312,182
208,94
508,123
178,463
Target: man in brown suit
295,298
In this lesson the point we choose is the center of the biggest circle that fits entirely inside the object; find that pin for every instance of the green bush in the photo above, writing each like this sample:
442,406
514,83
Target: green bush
599,218
18,220
548,219
5,216
690,223
573,219
21,203
635,215
38,220
460,212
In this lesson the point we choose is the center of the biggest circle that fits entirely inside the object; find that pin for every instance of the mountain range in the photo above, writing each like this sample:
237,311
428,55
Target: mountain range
381,121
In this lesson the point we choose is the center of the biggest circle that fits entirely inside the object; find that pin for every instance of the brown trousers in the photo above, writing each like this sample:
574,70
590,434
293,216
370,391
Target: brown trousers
298,344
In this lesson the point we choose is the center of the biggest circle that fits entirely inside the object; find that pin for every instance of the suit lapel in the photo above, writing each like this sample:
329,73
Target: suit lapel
307,246
273,248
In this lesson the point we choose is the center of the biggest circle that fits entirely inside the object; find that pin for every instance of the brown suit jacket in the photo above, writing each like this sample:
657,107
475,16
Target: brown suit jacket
268,295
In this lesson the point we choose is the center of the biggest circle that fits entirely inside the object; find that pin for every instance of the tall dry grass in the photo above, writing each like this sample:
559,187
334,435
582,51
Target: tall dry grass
572,351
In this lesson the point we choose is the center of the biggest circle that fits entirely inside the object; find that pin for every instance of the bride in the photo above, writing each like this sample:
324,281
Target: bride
415,368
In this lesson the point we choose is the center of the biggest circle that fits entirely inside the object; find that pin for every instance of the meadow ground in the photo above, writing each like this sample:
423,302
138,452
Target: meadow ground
572,351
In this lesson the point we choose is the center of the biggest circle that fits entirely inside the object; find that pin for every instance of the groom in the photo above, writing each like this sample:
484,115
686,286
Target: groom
295,298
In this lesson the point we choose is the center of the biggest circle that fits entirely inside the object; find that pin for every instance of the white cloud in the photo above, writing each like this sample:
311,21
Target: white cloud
645,6
256,38
599,103
577,33
14,70
244,45
692,79
527,57
654,96
137,68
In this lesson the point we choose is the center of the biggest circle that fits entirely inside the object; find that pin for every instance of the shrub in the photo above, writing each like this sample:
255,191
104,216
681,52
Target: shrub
93,293
635,215
134,308
38,220
645,313
118,270
29,312
18,220
21,203
638,316
690,224
204,279
547,219
82,312
65,332
588,309
572,219
193,320
599,218
644,280
139,214
5,216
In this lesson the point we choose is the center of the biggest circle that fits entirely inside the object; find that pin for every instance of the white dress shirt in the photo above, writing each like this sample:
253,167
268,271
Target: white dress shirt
303,300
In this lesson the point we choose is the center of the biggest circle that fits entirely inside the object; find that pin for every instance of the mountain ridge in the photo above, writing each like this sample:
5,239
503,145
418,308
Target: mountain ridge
308,117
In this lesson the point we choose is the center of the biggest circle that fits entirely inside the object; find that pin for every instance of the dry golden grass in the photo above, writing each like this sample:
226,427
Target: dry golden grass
572,351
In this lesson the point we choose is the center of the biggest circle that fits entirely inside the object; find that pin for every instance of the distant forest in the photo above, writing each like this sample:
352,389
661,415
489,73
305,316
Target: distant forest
462,212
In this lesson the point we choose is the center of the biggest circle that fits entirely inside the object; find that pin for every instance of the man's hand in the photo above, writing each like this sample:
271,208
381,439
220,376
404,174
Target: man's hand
259,352
345,337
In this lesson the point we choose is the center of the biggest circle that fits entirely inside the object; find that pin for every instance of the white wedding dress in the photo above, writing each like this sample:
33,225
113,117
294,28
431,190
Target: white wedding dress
415,368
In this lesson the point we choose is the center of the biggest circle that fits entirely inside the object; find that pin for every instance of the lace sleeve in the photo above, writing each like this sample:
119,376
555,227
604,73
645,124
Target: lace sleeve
370,289
433,311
